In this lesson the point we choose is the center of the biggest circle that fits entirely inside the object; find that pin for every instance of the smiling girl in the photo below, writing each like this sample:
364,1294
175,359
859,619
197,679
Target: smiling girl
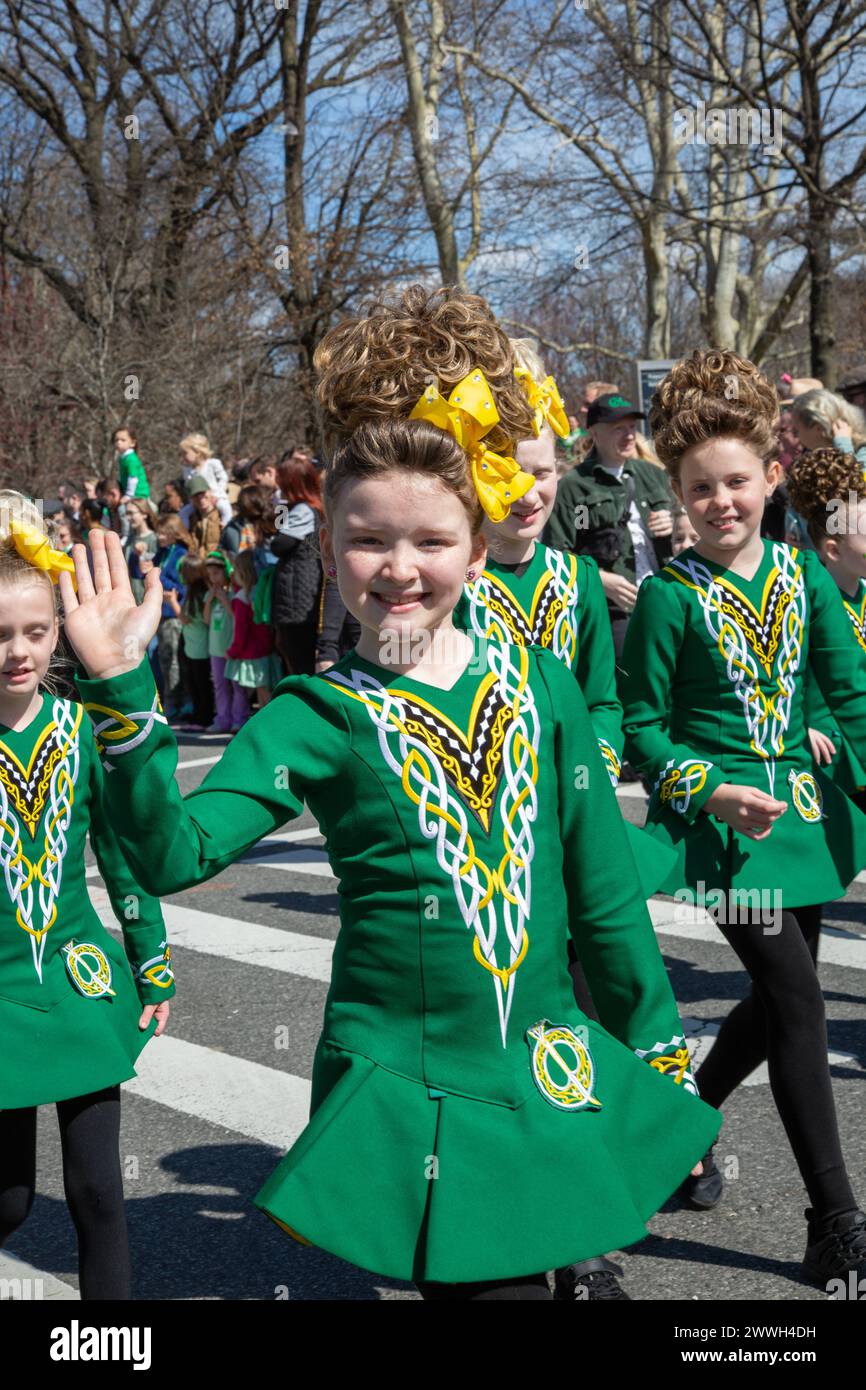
76,1007
529,593
716,657
470,1129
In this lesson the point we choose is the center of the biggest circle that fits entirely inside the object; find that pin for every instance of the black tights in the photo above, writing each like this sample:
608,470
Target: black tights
782,1021
92,1181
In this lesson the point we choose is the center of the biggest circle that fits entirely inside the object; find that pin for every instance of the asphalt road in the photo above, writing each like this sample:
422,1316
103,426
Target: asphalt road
225,1092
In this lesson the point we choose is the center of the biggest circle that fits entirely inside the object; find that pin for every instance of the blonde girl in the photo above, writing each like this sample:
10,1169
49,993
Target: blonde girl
76,1007
197,458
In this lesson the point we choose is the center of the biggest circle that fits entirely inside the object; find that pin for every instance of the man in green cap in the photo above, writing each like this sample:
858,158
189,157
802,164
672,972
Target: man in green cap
615,507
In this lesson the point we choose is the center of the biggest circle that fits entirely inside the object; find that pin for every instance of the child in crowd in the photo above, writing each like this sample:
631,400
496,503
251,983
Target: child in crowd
231,703
198,460
133,479
195,642
251,662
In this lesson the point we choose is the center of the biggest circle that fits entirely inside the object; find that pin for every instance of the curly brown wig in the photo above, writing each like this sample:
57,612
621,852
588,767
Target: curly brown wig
376,365
713,394
819,481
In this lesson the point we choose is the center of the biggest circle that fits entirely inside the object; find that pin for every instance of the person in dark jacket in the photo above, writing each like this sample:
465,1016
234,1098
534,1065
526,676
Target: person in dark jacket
298,578
339,630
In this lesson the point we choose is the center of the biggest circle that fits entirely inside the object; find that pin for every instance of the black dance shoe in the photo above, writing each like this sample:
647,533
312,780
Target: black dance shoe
835,1248
705,1192
589,1279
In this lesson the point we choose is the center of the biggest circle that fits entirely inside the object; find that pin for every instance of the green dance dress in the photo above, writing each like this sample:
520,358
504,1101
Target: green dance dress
70,1000
715,692
467,1121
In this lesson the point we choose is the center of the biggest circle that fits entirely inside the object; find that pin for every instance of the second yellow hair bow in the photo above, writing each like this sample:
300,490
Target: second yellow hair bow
545,400
35,547
468,414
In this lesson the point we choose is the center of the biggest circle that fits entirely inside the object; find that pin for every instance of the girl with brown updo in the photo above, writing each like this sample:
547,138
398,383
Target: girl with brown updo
470,1128
828,489
717,656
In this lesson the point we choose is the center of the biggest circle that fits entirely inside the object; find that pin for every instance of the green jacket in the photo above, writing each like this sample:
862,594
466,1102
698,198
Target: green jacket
588,499
56,1041
467,1121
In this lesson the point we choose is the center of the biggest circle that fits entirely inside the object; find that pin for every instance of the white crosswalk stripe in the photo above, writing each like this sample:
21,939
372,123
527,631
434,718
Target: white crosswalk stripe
260,1102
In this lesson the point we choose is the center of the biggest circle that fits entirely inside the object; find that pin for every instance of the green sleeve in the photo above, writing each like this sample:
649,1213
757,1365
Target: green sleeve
608,917
139,914
681,779
596,666
560,530
172,842
836,659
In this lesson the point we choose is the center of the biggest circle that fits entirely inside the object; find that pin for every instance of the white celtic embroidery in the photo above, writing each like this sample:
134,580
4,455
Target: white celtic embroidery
677,782
36,915
157,970
767,715
126,722
671,1059
561,585
611,761
494,902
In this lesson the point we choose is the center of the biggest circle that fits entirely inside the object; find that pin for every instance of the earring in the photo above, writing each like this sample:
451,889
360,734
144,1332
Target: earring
332,570
470,574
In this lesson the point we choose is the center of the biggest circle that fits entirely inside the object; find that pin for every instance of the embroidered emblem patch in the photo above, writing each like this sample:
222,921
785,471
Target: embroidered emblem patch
806,796
562,1066
88,968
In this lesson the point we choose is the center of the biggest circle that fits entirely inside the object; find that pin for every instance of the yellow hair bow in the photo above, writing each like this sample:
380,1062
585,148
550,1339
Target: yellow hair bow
546,401
34,546
468,414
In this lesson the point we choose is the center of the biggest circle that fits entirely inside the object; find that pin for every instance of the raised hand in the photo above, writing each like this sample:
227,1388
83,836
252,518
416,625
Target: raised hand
108,629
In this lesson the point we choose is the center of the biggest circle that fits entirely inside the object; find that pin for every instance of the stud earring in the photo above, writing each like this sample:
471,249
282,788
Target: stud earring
470,574
332,570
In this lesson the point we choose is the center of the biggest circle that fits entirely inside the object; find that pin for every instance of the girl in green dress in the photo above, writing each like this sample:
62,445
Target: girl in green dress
469,1126
828,489
76,1008
716,657
531,594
